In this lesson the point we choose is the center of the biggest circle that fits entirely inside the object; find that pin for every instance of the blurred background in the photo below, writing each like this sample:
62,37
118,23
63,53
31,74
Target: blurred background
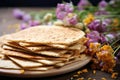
38,3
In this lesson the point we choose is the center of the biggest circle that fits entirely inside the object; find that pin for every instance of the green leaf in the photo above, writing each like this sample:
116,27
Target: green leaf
82,14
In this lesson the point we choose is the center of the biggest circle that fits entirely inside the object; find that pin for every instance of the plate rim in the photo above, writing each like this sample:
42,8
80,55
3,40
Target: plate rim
65,69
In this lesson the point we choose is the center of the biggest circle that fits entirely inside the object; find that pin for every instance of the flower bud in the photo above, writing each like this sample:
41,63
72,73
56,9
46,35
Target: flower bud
102,5
47,17
83,4
26,17
58,23
17,13
34,22
23,26
79,25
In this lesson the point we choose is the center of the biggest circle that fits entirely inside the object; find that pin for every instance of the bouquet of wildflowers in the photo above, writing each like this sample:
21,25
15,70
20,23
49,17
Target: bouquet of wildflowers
100,23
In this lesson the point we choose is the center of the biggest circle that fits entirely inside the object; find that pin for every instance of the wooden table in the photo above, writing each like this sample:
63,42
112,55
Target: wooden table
7,22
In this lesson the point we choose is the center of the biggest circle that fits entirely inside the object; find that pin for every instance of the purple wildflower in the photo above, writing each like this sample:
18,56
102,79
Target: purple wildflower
108,21
63,9
26,17
69,7
111,37
17,13
82,4
70,19
98,25
102,5
73,20
61,6
102,38
23,26
34,23
61,15
95,37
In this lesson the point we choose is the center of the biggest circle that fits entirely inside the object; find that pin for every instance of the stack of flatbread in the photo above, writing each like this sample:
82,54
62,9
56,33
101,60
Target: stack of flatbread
41,48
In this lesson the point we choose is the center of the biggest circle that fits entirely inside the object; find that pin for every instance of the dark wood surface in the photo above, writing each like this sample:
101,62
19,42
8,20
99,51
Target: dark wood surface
7,22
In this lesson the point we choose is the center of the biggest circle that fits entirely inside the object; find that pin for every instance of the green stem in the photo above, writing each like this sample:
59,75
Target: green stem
115,42
116,50
115,47
108,16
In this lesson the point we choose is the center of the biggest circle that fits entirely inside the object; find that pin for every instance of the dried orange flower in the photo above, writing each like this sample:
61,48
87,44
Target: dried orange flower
114,75
107,48
106,56
84,70
94,47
